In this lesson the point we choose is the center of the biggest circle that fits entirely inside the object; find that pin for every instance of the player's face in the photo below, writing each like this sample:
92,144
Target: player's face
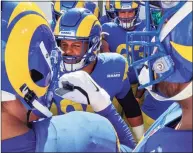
112,15
73,48
126,14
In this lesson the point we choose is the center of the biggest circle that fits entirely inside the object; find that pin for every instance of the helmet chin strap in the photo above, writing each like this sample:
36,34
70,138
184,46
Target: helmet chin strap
6,96
31,99
184,94
79,65
74,67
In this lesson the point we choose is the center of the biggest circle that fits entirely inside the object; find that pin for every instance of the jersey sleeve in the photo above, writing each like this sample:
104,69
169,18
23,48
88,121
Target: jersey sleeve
106,31
125,84
103,19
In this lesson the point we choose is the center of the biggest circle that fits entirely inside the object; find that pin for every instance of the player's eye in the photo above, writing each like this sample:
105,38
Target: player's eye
122,12
76,45
64,45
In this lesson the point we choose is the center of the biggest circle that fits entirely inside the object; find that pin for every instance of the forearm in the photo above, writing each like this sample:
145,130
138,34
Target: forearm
104,47
133,113
123,131
139,93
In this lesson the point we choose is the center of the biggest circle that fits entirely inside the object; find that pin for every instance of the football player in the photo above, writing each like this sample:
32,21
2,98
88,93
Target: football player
79,40
110,12
26,75
152,108
127,19
93,8
166,72
60,7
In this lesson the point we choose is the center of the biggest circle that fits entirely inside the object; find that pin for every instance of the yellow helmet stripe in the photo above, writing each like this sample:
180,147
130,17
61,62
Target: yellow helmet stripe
80,4
184,51
86,25
25,7
16,54
134,5
96,11
57,27
118,4
107,5
57,6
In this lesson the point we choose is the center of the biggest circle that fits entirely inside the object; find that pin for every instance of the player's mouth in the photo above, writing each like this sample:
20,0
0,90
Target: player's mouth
71,59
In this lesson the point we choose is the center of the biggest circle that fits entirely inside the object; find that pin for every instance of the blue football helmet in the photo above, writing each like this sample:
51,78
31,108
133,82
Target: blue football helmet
168,56
127,6
61,7
93,8
85,28
110,9
25,62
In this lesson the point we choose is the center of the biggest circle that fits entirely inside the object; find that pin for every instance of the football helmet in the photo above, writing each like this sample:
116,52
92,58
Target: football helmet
25,62
168,56
93,8
84,28
61,7
110,9
127,6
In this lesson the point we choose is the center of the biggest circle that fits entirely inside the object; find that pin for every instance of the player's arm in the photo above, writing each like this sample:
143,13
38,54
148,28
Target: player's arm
104,46
130,106
123,132
139,94
80,87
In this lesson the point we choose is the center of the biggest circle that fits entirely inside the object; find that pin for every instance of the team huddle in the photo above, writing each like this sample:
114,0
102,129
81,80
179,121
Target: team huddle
84,82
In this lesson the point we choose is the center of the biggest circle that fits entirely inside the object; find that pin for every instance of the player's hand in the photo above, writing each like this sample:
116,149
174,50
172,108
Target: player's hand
80,87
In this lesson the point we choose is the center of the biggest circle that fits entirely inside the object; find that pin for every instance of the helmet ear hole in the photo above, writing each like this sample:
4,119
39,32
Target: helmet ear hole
36,75
58,42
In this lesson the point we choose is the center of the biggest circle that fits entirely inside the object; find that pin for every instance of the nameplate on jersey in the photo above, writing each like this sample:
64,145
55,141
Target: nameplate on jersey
114,75
67,33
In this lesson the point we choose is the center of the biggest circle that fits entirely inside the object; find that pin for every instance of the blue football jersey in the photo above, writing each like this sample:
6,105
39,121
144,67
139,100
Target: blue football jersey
14,144
110,73
104,19
117,43
154,108
117,36
162,137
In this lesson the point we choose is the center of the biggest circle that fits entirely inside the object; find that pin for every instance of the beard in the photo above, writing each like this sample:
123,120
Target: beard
168,89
